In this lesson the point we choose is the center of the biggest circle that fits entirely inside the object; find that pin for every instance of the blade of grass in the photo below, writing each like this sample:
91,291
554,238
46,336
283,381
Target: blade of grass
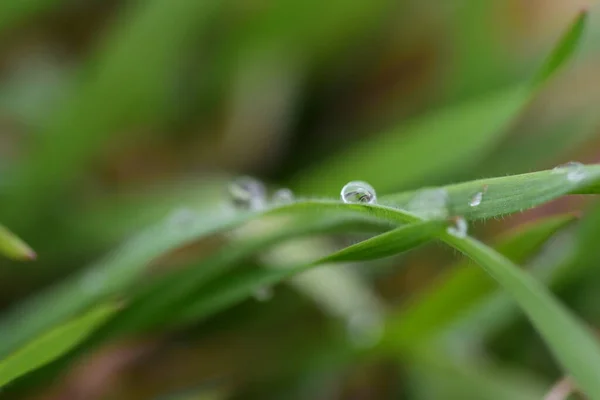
157,303
571,342
13,247
462,287
387,244
509,194
458,136
564,49
53,344
231,289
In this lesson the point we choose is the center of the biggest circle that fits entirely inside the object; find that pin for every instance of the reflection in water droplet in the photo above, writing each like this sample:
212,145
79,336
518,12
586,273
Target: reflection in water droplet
459,227
364,329
358,192
247,193
429,203
264,293
478,197
182,219
283,196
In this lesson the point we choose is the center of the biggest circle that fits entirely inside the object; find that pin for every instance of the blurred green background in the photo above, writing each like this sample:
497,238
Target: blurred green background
113,114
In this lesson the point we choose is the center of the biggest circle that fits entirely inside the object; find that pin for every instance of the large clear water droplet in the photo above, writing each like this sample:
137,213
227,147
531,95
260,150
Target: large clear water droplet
478,197
459,227
283,196
364,329
247,193
264,293
429,203
358,192
574,170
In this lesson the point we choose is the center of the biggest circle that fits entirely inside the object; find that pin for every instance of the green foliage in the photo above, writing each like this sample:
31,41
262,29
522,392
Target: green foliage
220,257
13,247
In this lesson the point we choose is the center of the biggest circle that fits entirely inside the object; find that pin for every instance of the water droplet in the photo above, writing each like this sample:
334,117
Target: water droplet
264,293
478,197
358,192
429,203
283,196
247,193
574,170
459,227
182,219
364,329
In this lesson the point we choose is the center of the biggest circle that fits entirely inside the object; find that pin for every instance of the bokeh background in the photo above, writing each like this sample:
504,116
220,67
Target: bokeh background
113,114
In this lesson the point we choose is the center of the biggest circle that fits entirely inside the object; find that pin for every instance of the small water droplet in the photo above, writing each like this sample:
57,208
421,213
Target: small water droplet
364,329
358,192
182,219
459,227
283,196
574,170
247,193
429,203
478,197
264,293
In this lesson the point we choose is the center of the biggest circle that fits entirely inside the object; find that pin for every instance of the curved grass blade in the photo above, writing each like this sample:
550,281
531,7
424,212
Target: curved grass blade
157,302
53,344
564,49
231,289
13,247
388,244
570,341
463,287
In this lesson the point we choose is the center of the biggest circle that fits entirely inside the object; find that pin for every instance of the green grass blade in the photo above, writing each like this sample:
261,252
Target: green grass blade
458,136
229,290
509,194
463,287
157,302
572,343
53,344
564,49
13,247
387,244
